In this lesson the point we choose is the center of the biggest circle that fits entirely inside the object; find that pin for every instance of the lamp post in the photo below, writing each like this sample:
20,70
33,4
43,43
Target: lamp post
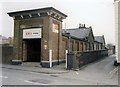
69,37
69,43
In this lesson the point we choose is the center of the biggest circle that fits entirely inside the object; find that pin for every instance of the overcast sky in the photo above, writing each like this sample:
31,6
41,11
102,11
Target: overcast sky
96,13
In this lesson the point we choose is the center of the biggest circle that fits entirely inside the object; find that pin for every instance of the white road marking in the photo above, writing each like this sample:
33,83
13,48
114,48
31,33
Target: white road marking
34,82
76,72
113,71
4,77
34,72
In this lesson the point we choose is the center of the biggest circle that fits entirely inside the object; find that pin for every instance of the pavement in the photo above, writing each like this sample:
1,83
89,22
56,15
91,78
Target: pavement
54,70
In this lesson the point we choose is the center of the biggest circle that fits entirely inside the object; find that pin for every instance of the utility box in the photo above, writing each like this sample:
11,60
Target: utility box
72,62
76,62
70,57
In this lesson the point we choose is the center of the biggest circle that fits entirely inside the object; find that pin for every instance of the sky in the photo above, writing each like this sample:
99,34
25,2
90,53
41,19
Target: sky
96,13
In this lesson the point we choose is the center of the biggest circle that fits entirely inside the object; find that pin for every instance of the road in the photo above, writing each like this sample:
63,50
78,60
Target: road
101,72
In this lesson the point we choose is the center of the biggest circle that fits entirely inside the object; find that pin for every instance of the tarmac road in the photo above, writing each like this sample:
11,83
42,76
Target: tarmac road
15,77
101,72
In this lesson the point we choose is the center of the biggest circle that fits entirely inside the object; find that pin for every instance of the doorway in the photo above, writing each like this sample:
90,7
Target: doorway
33,50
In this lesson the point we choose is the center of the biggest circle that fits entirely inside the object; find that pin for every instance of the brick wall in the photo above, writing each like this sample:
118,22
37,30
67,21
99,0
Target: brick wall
7,54
91,56
55,46
78,59
55,40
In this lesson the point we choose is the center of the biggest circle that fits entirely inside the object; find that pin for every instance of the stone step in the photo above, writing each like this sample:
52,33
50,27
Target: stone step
31,64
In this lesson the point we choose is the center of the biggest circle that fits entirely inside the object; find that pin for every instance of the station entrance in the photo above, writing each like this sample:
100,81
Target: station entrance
32,45
33,50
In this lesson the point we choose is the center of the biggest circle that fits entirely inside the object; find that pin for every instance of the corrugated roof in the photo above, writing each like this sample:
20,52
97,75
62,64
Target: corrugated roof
78,32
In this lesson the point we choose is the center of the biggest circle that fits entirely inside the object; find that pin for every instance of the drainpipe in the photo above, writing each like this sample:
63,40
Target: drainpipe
58,48
59,44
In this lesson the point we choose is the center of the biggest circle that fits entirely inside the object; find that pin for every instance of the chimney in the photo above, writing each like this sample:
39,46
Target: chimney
90,27
82,26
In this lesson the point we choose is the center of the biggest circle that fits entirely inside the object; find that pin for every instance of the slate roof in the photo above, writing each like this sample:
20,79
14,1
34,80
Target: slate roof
99,39
2,37
81,33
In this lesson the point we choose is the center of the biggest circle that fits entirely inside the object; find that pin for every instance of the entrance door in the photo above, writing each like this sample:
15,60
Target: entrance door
32,45
33,50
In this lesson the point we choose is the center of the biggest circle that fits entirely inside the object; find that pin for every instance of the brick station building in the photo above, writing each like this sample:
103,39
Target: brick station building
38,37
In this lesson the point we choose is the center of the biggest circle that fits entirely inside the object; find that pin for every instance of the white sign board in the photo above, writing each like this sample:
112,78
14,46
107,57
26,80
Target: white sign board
56,31
32,33
55,28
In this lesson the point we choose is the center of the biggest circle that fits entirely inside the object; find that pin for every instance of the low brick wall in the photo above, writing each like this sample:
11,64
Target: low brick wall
77,59
7,54
90,56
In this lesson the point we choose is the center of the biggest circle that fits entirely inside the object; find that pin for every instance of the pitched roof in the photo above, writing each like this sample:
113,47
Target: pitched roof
3,37
100,39
81,33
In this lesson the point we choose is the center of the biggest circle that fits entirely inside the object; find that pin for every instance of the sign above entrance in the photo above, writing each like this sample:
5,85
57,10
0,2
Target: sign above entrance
32,33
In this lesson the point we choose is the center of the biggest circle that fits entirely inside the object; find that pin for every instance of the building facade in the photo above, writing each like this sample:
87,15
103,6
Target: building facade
39,37
117,28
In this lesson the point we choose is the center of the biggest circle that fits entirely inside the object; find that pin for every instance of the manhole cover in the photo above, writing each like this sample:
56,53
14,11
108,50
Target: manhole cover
43,81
